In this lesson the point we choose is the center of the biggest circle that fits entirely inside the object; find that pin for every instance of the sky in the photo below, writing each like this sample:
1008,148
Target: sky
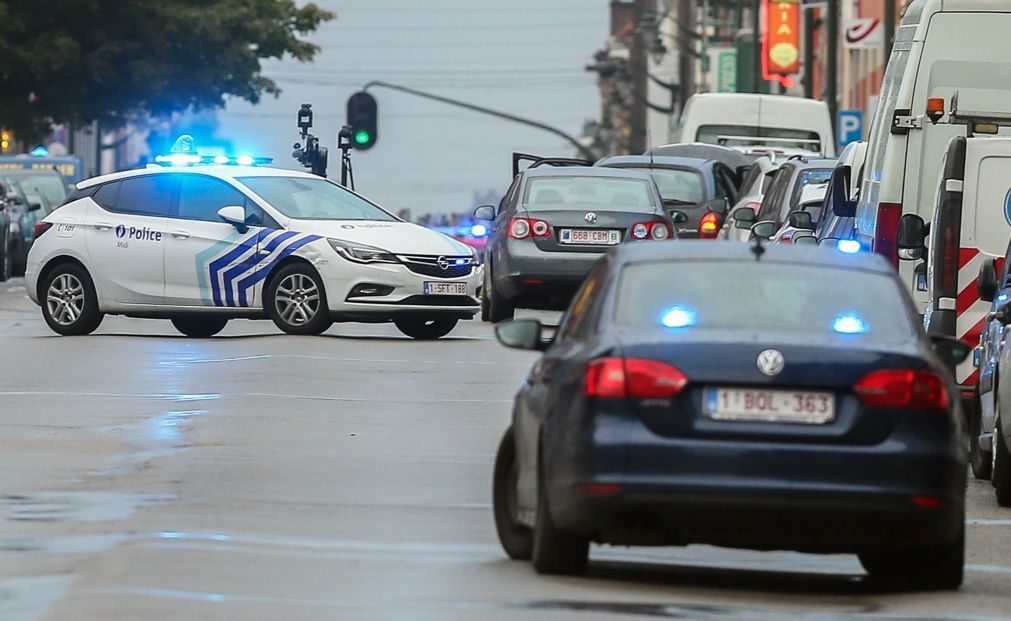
525,57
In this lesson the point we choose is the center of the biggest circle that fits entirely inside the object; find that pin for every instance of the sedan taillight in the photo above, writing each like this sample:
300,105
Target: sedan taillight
632,378
650,230
521,228
41,228
903,388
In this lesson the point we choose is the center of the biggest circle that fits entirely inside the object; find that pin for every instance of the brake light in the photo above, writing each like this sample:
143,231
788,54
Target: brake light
640,230
886,232
41,228
709,225
650,230
659,231
632,378
903,388
521,228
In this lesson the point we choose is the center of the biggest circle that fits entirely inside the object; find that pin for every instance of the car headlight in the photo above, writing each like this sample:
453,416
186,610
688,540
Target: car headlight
360,253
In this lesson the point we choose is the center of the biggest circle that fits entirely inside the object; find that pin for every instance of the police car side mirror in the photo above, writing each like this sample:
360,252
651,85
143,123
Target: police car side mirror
485,212
986,284
839,192
234,215
912,236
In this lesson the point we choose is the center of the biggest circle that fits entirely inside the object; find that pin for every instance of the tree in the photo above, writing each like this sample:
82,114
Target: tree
78,61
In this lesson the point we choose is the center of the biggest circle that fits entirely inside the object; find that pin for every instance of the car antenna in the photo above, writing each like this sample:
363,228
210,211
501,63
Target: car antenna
757,248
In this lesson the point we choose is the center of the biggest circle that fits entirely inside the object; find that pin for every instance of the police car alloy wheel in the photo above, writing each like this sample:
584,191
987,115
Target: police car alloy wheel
296,301
426,329
200,327
69,301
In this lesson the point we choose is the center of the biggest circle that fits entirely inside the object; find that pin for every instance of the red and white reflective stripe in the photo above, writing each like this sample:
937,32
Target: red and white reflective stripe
970,311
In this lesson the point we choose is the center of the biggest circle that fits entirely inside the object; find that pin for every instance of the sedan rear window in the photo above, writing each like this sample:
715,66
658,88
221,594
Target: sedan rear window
584,191
763,296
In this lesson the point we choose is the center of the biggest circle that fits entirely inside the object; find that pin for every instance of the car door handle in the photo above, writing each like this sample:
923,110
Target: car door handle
179,234
103,226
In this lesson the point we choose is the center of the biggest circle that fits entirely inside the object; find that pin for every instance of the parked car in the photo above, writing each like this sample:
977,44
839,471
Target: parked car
665,411
757,122
7,201
784,192
25,210
45,181
703,189
554,223
756,182
805,219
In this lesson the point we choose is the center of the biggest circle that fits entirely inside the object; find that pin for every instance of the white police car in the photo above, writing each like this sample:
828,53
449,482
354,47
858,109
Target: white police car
202,244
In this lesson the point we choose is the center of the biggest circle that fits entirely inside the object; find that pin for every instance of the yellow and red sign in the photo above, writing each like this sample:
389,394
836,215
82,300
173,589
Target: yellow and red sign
781,43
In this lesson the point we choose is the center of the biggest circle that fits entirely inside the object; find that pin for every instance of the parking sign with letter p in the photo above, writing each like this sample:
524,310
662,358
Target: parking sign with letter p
849,127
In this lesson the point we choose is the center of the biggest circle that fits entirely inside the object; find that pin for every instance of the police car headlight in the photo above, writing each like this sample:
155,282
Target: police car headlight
360,253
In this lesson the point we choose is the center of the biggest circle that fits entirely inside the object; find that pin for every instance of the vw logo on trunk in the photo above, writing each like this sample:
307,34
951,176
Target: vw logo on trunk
591,218
443,263
771,362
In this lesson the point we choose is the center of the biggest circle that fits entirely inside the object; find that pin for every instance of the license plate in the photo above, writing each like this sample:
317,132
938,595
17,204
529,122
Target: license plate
590,237
774,406
445,288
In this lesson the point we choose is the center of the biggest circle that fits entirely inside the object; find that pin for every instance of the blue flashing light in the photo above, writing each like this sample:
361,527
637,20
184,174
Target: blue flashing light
678,317
221,159
178,159
849,324
40,151
849,246
244,160
1002,297
479,230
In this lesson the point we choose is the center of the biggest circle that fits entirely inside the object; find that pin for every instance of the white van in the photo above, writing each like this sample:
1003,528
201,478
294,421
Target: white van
942,47
758,123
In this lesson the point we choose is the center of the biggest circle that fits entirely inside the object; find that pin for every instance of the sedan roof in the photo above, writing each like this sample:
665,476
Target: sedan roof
586,171
658,161
732,251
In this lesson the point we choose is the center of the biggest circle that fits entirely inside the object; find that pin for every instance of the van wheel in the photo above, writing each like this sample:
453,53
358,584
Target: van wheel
426,329
556,552
1001,475
936,569
979,462
296,301
69,301
200,327
517,540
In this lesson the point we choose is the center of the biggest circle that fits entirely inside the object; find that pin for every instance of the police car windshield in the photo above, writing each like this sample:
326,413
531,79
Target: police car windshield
302,198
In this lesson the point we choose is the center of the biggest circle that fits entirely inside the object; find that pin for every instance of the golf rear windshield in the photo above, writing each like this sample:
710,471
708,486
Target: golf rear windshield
763,296
678,185
586,191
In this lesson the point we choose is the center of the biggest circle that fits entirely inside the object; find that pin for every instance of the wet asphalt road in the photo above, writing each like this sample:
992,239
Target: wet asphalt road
144,476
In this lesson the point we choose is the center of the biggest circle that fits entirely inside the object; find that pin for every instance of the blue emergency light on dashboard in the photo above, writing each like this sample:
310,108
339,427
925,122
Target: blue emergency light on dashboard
849,324
849,246
678,317
184,153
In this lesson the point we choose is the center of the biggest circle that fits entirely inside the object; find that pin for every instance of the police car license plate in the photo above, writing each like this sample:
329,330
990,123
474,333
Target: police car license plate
445,288
590,237
773,406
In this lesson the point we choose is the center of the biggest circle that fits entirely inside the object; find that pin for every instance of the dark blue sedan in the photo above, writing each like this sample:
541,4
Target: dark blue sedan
780,398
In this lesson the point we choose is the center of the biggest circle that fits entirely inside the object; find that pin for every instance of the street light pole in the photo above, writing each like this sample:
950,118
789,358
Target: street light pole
756,27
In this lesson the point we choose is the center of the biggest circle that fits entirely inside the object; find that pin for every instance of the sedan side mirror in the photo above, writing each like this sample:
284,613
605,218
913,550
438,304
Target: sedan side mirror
719,205
949,349
678,216
485,212
744,218
986,284
520,334
912,237
764,229
34,206
234,215
802,220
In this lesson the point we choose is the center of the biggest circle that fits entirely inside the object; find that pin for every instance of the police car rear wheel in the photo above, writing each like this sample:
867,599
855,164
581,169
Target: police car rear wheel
70,304
426,329
296,301
200,327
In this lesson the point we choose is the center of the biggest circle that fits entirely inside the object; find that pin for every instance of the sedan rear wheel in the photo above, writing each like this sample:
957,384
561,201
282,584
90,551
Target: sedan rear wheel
296,301
1001,475
426,329
498,308
555,551
200,327
938,568
517,540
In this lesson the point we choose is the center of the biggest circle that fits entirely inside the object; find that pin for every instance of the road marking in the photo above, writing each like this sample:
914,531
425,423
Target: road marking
979,522
175,363
237,395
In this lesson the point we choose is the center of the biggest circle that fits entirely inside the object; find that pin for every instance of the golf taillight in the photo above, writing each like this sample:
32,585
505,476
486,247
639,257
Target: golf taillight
521,228
650,230
41,228
709,225
632,378
903,388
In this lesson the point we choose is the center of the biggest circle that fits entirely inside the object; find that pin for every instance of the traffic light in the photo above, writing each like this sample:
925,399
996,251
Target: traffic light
5,141
363,118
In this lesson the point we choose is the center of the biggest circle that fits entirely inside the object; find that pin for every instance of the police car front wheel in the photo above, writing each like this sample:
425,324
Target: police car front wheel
296,301
200,327
69,301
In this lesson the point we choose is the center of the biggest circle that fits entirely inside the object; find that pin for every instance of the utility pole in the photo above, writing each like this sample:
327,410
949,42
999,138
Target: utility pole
686,49
808,52
832,87
638,68
756,27
890,10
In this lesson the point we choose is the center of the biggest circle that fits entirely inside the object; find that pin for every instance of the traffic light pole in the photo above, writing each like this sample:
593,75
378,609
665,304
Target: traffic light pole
585,152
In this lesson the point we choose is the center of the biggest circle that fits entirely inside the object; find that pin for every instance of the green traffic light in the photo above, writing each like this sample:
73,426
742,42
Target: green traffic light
362,137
